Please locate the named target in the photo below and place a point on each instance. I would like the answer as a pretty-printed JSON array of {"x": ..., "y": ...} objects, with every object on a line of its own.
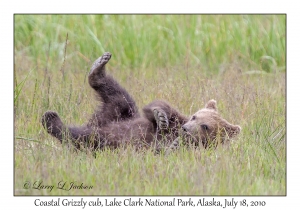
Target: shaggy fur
[{"x": 117, "y": 121}]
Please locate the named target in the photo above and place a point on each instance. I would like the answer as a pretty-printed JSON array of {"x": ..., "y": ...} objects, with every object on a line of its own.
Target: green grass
[{"x": 239, "y": 60}]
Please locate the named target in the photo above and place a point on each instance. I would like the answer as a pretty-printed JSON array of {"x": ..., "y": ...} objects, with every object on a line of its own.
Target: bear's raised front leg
[
  {"x": 165, "y": 115},
  {"x": 161, "y": 118},
  {"x": 162, "y": 124}
]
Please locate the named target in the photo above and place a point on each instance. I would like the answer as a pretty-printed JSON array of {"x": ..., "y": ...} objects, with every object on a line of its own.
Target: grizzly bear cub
[{"x": 117, "y": 121}]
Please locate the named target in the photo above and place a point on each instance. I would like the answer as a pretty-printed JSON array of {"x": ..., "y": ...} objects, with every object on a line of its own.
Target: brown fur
[
  {"x": 209, "y": 126},
  {"x": 117, "y": 122}
]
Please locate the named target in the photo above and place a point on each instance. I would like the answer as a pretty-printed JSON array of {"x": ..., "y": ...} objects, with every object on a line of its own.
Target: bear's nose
[{"x": 184, "y": 128}]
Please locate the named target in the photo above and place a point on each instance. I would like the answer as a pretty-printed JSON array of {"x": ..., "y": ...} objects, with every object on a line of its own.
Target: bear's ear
[
  {"x": 211, "y": 104},
  {"x": 232, "y": 130}
]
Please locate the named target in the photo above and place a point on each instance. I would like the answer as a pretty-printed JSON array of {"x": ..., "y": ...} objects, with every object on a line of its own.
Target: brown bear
[{"x": 117, "y": 121}]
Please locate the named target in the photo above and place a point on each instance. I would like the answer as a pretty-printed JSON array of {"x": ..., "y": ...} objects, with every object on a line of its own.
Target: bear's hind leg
[
  {"x": 53, "y": 124},
  {"x": 78, "y": 135},
  {"x": 117, "y": 104},
  {"x": 98, "y": 69}
]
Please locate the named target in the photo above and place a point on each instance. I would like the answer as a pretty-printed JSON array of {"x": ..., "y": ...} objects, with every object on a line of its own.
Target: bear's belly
[{"x": 139, "y": 132}]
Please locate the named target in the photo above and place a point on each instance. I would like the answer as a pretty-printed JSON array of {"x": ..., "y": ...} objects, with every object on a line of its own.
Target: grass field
[{"x": 239, "y": 60}]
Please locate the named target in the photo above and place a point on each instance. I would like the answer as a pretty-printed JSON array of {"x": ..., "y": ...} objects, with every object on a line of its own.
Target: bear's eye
[
  {"x": 204, "y": 127},
  {"x": 193, "y": 118}
]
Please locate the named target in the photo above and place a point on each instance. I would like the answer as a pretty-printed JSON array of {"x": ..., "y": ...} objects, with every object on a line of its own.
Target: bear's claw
[
  {"x": 174, "y": 146},
  {"x": 49, "y": 119},
  {"x": 101, "y": 61},
  {"x": 161, "y": 119},
  {"x": 105, "y": 58}
]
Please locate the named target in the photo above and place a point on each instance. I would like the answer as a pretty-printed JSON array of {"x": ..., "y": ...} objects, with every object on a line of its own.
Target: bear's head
[{"x": 208, "y": 127}]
